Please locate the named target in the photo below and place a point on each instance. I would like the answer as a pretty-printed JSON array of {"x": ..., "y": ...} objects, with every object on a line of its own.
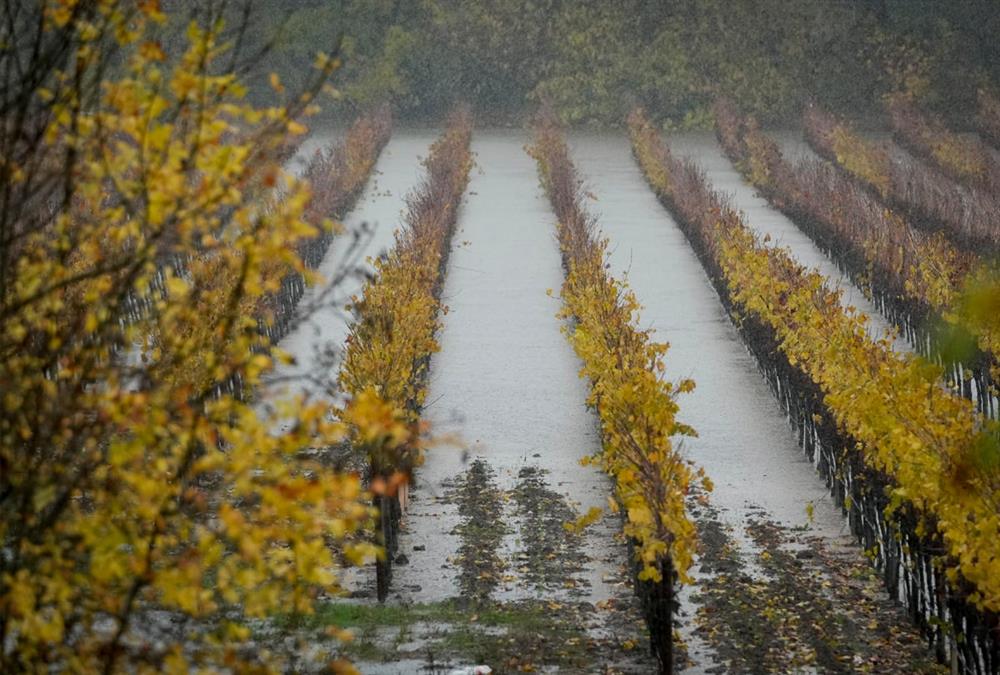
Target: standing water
[
  {"x": 315, "y": 142},
  {"x": 484, "y": 534},
  {"x": 744, "y": 442},
  {"x": 776, "y": 561},
  {"x": 316, "y": 343},
  {"x": 505, "y": 385},
  {"x": 767, "y": 221},
  {"x": 793, "y": 146}
]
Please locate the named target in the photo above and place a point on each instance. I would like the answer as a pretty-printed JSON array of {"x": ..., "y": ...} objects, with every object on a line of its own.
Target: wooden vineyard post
[
  {"x": 658, "y": 606},
  {"x": 388, "y": 508},
  {"x": 390, "y": 516}
]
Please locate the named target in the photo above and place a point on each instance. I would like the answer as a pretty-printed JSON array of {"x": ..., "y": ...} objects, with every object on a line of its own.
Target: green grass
[
  {"x": 491, "y": 632},
  {"x": 528, "y": 616},
  {"x": 349, "y": 615}
]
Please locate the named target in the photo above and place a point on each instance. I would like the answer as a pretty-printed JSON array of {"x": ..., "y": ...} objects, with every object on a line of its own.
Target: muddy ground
[
  {"x": 794, "y": 602},
  {"x": 785, "y": 601},
  {"x": 521, "y": 608}
]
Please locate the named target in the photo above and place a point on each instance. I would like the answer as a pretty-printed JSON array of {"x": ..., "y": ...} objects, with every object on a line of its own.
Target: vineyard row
[
  {"x": 962, "y": 158},
  {"x": 391, "y": 341},
  {"x": 916, "y": 278},
  {"x": 636, "y": 407},
  {"x": 897, "y": 449},
  {"x": 926, "y": 198}
]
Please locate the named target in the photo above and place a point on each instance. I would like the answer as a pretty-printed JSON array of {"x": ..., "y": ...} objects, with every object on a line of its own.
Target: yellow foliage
[
  {"x": 961, "y": 157},
  {"x": 130, "y": 478},
  {"x": 927, "y": 269},
  {"x": 637, "y": 409},
  {"x": 391, "y": 341},
  {"x": 903, "y": 422},
  {"x": 861, "y": 158}
]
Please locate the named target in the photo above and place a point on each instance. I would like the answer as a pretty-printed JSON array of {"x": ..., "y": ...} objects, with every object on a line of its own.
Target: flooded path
[
  {"x": 776, "y": 553},
  {"x": 765, "y": 220},
  {"x": 368, "y": 231},
  {"x": 793, "y": 145},
  {"x": 319, "y": 139},
  {"x": 745, "y": 443},
  {"x": 505, "y": 380},
  {"x": 484, "y": 532},
  {"x": 486, "y": 572}
]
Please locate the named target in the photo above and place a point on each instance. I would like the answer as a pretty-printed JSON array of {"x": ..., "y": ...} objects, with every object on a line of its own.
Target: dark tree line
[{"x": 592, "y": 60}]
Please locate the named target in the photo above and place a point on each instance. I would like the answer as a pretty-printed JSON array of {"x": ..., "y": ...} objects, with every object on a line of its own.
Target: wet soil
[
  {"x": 517, "y": 609},
  {"x": 480, "y": 505},
  {"x": 524, "y": 636},
  {"x": 796, "y": 602},
  {"x": 550, "y": 555}
]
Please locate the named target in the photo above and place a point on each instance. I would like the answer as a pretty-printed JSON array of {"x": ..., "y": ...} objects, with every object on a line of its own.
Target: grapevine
[
  {"x": 962, "y": 158},
  {"x": 390, "y": 343},
  {"x": 925, "y": 196},
  {"x": 637, "y": 407},
  {"x": 872, "y": 405},
  {"x": 917, "y": 279}
]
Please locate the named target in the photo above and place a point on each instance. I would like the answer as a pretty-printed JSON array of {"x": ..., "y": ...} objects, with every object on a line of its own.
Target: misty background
[{"x": 593, "y": 60}]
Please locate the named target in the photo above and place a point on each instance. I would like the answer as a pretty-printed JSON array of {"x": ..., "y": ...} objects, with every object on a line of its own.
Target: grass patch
[
  {"x": 526, "y": 615},
  {"x": 513, "y": 633},
  {"x": 348, "y": 615}
]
